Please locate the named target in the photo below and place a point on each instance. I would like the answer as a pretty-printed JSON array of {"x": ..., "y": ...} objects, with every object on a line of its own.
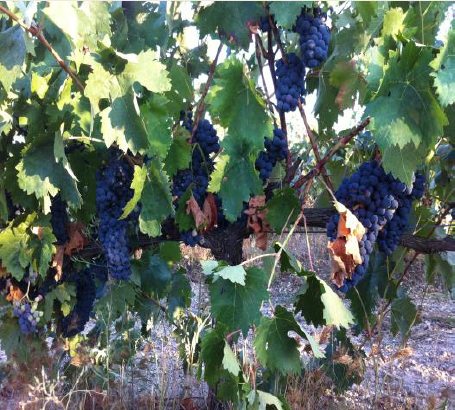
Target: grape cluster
[
  {"x": 59, "y": 219},
  {"x": 190, "y": 238},
  {"x": 376, "y": 199},
  {"x": 112, "y": 194},
  {"x": 389, "y": 237},
  {"x": 28, "y": 314},
  {"x": 314, "y": 36},
  {"x": 290, "y": 85},
  {"x": 276, "y": 149},
  {"x": 75, "y": 322}
]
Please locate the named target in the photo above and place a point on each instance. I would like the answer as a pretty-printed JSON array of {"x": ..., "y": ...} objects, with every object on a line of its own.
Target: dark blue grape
[
  {"x": 59, "y": 220},
  {"x": 275, "y": 150},
  {"x": 289, "y": 83}
]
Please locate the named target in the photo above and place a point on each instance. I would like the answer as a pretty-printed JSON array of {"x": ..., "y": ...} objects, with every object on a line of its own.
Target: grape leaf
[
  {"x": 283, "y": 208},
  {"x": 236, "y": 274},
  {"x": 228, "y": 19},
  {"x": 230, "y": 362},
  {"x": 238, "y": 181},
  {"x": 287, "y": 12},
  {"x": 181, "y": 92},
  {"x": 12, "y": 55},
  {"x": 404, "y": 109},
  {"x": 237, "y": 306},
  {"x": 179, "y": 297},
  {"x": 260, "y": 399},
  {"x": 367, "y": 10},
  {"x": 137, "y": 184},
  {"x": 184, "y": 220},
  {"x": 170, "y": 252},
  {"x": 239, "y": 108},
  {"x": 275, "y": 349},
  {"x": 14, "y": 255},
  {"x": 120, "y": 296},
  {"x": 179, "y": 154},
  {"x": 427, "y": 17},
  {"x": 320, "y": 305},
  {"x": 444, "y": 77},
  {"x": 154, "y": 273},
  {"x": 350, "y": 83},
  {"x": 403, "y": 316},
  {"x": 156, "y": 201},
  {"x": 393, "y": 22},
  {"x": 40, "y": 173},
  {"x": 212, "y": 353},
  {"x": 16, "y": 344}
]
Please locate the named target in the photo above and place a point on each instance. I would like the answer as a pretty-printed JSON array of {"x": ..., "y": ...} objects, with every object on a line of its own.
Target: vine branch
[
  {"x": 36, "y": 31},
  {"x": 200, "y": 107},
  {"x": 341, "y": 143}
]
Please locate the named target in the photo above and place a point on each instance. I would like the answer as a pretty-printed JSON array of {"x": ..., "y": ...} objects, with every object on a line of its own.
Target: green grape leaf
[
  {"x": 286, "y": 12},
  {"x": 16, "y": 344},
  {"x": 239, "y": 181},
  {"x": 444, "y": 77},
  {"x": 237, "y": 306},
  {"x": 393, "y": 22},
  {"x": 158, "y": 125},
  {"x": 403, "y": 316},
  {"x": 121, "y": 295},
  {"x": 283, "y": 209},
  {"x": 40, "y": 173},
  {"x": 320, "y": 305},
  {"x": 234, "y": 101},
  {"x": 121, "y": 124},
  {"x": 154, "y": 273},
  {"x": 212, "y": 353},
  {"x": 137, "y": 184},
  {"x": 404, "y": 109},
  {"x": 229, "y": 19},
  {"x": 367, "y": 9},
  {"x": 179, "y": 154},
  {"x": 156, "y": 201},
  {"x": 275, "y": 349},
  {"x": 288, "y": 261},
  {"x": 427, "y": 17},
  {"x": 12, "y": 55},
  {"x": 182, "y": 91},
  {"x": 14, "y": 254},
  {"x": 62, "y": 293},
  {"x": 179, "y": 297},
  {"x": 350, "y": 83},
  {"x": 170, "y": 252},
  {"x": 98, "y": 86},
  {"x": 230, "y": 362},
  {"x": 184, "y": 220},
  {"x": 43, "y": 249},
  {"x": 236, "y": 274},
  {"x": 260, "y": 399}
]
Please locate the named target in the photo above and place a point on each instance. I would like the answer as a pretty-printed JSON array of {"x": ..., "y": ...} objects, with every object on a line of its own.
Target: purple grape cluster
[
  {"x": 389, "y": 237},
  {"x": 76, "y": 320},
  {"x": 276, "y": 149},
  {"x": 112, "y": 194},
  {"x": 190, "y": 238},
  {"x": 264, "y": 23},
  {"x": 59, "y": 219},
  {"x": 28, "y": 315},
  {"x": 314, "y": 36},
  {"x": 290, "y": 84},
  {"x": 376, "y": 199}
]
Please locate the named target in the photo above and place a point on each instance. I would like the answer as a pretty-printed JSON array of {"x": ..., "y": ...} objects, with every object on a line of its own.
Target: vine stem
[
  {"x": 261, "y": 70},
  {"x": 314, "y": 146},
  {"x": 341, "y": 143},
  {"x": 264, "y": 255},
  {"x": 200, "y": 107},
  {"x": 36, "y": 31}
]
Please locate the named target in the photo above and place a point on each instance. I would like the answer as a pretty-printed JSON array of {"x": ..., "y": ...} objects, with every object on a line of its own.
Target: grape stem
[
  {"x": 276, "y": 34},
  {"x": 314, "y": 146},
  {"x": 200, "y": 107},
  {"x": 36, "y": 31},
  {"x": 261, "y": 70},
  {"x": 341, "y": 143}
]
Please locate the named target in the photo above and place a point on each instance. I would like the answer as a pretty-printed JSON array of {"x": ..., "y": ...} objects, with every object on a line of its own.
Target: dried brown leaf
[
  {"x": 14, "y": 294},
  {"x": 192, "y": 207},
  {"x": 210, "y": 211}
]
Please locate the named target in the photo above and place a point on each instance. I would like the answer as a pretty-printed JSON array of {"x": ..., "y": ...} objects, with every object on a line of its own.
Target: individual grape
[
  {"x": 276, "y": 149},
  {"x": 59, "y": 219},
  {"x": 290, "y": 85},
  {"x": 314, "y": 36},
  {"x": 112, "y": 194},
  {"x": 75, "y": 321}
]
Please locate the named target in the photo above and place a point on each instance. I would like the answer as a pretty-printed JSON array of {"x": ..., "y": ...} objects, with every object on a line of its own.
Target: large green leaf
[
  {"x": 239, "y": 108},
  {"x": 229, "y": 18},
  {"x": 262, "y": 400},
  {"x": 427, "y": 17},
  {"x": 137, "y": 185},
  {"x": 237, "y": 306},
  {"x": 154, "y": 273},
  {"x": 179, "y": 298},
  {"x": 275, "y": 349},
  {"x": 156, "y": 201},
  {"x": 212, "y": 354},
  {"x": 403, "y": 316},
  {"x": 444, "y": 77},
  {"x": 283, "y": 208},
  {"x": 41, "y": 174},
  {"x": 12, "y": 55},
  {"x": 179, "y": 154},
  {"x": 320, "y": 305}
]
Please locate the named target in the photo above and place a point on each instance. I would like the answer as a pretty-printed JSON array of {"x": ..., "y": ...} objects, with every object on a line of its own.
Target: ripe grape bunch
[
  {"x": 290, "y": 84},
  {"x": 314, "y": 36},
  {"x": 28, "y": 314},
  {"x": 75, "y": 322},
  {"x": 112, "y": 194},
  {"x": 264, "y": 23},
  {"x": 376, "y": 199},
  {"x": 205, "y": 142},
  {"x": 59, "y": 219},
  {"x": 276, "y": 149}
]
